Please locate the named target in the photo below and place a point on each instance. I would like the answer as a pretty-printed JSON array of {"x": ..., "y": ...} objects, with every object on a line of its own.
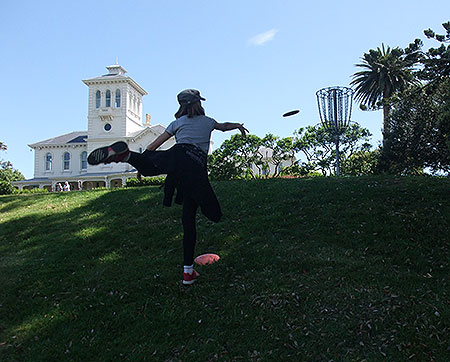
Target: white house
[
  {"x": 114, "y": 113},
  {"x": 266, "y": 156}
]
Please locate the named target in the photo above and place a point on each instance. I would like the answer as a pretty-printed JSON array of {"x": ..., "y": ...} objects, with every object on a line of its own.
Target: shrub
[
  {"x": 297, "y": 170},
  {"x": 38, "y": 191},
  {"x": 361, "y": 163},
  {"x": 6, "y": 188},
  {"x": 146, "y": 181},
  {"x": 31, "y": 191}
]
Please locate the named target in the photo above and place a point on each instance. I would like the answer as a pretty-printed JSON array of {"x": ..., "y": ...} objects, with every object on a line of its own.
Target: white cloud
[{"x": 263, "y": 38}]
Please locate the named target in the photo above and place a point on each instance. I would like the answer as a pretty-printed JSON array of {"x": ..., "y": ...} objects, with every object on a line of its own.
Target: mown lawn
[{"x": 341, "y": 269}]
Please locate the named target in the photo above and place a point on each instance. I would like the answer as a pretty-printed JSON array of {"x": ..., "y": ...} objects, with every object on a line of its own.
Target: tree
[
  {"x": 281, "y": 150},
  {"x": 221, "y": 166},
  {"x": 249, "y": 156},
  {"x": 318, "y": 146},
  {"x": 235, "y": 157},
  {"x": 8, "y": 174},
  {"x": 361, "y": 163},
  {"x": 386, "y": 72},
  {"x": 420, "y": 117},
  {"x": 436, "y": 61},
  {"x": 420, "y": 124}
]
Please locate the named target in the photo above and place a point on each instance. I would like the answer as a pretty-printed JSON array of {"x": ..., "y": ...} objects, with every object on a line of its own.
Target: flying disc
[
  {"x": 206, "y": 259},
  {"x": 291, "y": 113}
]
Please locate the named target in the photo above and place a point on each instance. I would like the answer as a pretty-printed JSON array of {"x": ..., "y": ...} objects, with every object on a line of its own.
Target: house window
[
  {"x": 97, "y": 99},
  {"x": 108, "y": 98},
  {"x": 117, "y": 98},
  {"x": 66, "y": 161},
  {"x": 83, "y": 160},
  {"x": 48, "y": 162}
]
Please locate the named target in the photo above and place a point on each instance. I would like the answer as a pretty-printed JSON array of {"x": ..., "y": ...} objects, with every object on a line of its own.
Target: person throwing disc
[{"x": 185, "y": 165}]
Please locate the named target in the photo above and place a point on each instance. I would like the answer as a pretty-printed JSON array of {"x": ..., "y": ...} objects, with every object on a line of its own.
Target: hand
[
  {"x": 139, "y": 177},
  {"x": 243, "y": 130}
]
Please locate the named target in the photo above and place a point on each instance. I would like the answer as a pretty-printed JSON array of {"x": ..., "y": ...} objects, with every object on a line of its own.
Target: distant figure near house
[{"x": 66, "y": 186}]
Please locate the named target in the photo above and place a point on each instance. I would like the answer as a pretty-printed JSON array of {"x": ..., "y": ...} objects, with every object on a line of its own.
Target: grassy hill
[{"x": 320, "y": 269}]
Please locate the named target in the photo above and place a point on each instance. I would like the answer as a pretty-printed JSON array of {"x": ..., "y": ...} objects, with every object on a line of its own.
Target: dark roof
[
  {"x": 79, "y": 139},
  {"x": 72, "y": 137}
]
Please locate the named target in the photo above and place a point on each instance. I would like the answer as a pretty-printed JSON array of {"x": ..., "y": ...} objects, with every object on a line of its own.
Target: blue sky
[{"x": 252, "y": 60}]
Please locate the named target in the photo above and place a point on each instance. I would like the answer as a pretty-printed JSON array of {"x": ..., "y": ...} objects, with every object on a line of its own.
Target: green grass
[{"x": 341, "y": 269}]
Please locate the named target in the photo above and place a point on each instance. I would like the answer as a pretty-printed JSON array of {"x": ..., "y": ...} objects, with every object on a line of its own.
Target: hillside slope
[{"x": 311, "y": 269}]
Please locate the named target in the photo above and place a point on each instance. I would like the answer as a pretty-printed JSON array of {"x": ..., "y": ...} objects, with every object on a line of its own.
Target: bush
[
  {"x": 297, "y": 169},
  {"x": 361, "y": 163},
  {"x": 146, "y": 181},
  {"x": 38, "y": 191},
  {"x": 6, "y": 188},
  {"x": 32, "y": 191}
]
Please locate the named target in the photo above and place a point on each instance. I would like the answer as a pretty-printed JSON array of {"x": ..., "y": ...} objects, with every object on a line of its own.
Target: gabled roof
[
  {"x": 72, "y": 137},
  {"x": 156, "y": 129},
  {"x": 79, "y": 139}
]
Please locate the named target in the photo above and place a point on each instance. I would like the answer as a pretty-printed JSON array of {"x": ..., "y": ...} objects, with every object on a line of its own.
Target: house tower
[{"x": 115, "y": 105}]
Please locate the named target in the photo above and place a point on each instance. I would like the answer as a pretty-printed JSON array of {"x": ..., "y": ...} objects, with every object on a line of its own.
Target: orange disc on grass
[{"x": 206, "y": 259}]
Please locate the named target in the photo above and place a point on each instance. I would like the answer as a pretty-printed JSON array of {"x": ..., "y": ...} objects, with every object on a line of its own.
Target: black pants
[
  {"x": 189, "y": 230},
  {"x": 140, "y": 163},
  {"x": 190, "y": 206}
]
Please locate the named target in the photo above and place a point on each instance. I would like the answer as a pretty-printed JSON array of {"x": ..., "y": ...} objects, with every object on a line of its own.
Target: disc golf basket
[{"x": 335, "y": 110}]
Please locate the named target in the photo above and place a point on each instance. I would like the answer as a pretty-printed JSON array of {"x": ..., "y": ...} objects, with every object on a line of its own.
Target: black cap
[{"x": 189, "y": 96}]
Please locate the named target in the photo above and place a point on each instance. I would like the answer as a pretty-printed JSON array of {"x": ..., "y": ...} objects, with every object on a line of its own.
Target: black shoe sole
[{"x": 101, "y": 155}]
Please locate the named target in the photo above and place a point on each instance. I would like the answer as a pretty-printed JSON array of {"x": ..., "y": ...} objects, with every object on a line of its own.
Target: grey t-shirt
[{"x": 195, "y": 131}]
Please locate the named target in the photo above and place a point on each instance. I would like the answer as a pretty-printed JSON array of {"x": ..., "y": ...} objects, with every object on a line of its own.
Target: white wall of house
[
  {"x": 67, "y": 160},
  {"x": 59, "y": 163}
]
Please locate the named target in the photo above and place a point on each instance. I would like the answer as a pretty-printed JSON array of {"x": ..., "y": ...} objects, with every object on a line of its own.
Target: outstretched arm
[
  {"x": 229, "y": 126},
  {"x": 154, "y": 145},
  {"x": 159, "y": 141}
]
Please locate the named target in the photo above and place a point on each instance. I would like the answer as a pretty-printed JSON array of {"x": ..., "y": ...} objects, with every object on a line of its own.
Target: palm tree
[{"x": 386, "y": 72}]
